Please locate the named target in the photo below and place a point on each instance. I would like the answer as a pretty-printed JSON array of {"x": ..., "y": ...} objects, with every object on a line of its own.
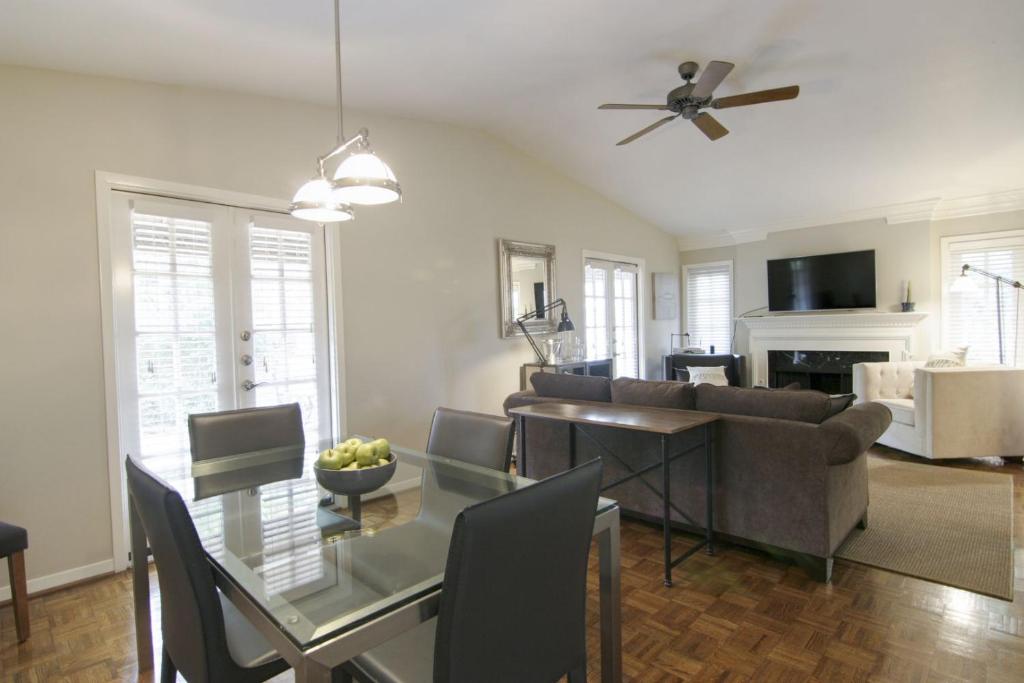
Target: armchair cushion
[{"x": 902, "y": 409}]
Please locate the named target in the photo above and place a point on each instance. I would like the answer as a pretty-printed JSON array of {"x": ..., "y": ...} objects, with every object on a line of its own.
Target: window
[
  {"x": 611, "y": 301},
  {"x": 708, "y": 304},
  {"x": 969, "y": 318}
]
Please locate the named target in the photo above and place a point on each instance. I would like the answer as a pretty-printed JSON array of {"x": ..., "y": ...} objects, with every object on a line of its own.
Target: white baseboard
[{"x": 42, "y": 583}]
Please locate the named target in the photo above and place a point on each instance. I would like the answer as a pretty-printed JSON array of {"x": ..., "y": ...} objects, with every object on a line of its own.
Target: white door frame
[
  {"x": 106, "y": 183},
  {"x": 641, "y": 309}
]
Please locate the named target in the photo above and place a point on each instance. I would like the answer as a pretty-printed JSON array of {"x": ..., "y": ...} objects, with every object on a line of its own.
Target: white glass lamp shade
[
  {"x": 963, "y": 283},
  {"x": 315, "y": 201},
  {"x": 363, "y": 178}
]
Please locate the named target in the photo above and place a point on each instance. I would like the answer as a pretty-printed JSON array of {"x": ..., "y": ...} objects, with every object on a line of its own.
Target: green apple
[
  {"x": 330, "y": 460},
  {"x": 351, "y": 466},
  {"x": 354, "y": 442},
  {"x": 366, "y": 455},
  {"x": 382, "y": 447},
  {"x": 348, "y": 455}
]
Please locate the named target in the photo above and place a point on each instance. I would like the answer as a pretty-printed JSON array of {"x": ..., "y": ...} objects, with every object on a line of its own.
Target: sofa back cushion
[
  {"x": 803, "y": 405},
  {"x": 573, "y": 387},
  {"x": 654, "y": 393}
]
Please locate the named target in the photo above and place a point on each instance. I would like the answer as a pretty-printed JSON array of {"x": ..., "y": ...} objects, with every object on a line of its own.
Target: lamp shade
[
  {"x": 315, "y": 201},
  {"x": 363, "y": 178},
  {"x": 963, "y": 283},
  {"x": 565, "y": 324}
]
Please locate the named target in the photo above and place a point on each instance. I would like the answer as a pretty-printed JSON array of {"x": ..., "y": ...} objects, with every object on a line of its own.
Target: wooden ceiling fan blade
[
  {"x": 634, "y": 106},
  {"x": 758, "y": 97},
  {"x": 710, "y": 126},
  {"x": 645, "y": 131},
  {"x": 714, "y": 73}
]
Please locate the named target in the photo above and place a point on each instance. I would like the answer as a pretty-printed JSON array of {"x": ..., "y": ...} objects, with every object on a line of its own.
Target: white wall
[
  {"x": 903, "y": 252},
  {"x": 419, "y": 279}
]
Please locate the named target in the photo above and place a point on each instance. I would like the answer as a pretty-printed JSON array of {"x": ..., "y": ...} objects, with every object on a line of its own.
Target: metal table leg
[
  {"x": 666, "y": 520},
  {"x": 709, "y": 496},
  {"x": 611, "y": 605},
  {"x": 572, "y": 444},
  {"x": 140, "y": 589}
]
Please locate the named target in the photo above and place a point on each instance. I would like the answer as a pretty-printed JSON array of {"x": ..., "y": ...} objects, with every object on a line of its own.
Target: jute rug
[{"x": 943, "y": 524}]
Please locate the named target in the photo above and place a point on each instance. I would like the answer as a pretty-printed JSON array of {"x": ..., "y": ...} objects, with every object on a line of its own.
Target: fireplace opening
[{"x": 828, "y": 371}]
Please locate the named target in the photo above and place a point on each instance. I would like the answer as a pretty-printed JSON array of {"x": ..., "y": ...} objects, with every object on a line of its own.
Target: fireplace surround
[
  {"x": 828, "y": 371},
  {"x": 894, "y": 334}
]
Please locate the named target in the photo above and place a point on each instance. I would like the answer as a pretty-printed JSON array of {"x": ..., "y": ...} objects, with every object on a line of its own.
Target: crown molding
[{"x": 930, "y": 209}]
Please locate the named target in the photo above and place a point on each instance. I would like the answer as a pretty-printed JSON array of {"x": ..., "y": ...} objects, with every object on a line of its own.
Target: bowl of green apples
[{"x": 355, "y": 467}]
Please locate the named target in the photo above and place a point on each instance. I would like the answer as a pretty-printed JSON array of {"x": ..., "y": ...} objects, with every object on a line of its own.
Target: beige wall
[
  {"x": 907, "y": 251},
  {"x": 419, "y": 279}
]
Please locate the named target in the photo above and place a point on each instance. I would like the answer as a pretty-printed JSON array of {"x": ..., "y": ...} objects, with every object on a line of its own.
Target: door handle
[{"x": 249, "y": 385}]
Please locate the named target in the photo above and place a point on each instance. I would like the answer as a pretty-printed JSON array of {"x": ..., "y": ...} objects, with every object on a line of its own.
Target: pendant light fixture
[{"x": 361, "y": 178}]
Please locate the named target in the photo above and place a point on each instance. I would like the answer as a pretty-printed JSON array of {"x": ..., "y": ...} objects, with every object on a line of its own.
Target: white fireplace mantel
[{"x": 894, "y": 333}]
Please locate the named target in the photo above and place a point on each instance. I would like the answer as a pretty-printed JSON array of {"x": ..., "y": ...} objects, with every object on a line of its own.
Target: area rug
[{"x": 940, "y": 523}]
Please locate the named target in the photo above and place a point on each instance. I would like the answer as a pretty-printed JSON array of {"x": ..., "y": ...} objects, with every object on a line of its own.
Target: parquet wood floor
[{"x": 737, "y": 616}]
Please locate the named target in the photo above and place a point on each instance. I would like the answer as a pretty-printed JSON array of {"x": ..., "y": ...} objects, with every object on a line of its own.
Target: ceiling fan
[{"x": 688, "y": 100}]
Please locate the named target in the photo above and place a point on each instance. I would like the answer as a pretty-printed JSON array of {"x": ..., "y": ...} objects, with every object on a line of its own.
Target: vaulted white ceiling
[{"x": 900, "y": 101}]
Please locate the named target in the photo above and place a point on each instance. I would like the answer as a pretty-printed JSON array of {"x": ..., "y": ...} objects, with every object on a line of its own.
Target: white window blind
[
  {"x": 175, "y": 347},
  {"x": 708, "y": 302},
  {"x": 281, "y": 268},
  {"x": 969, "y": 318},
  {"x": 595, "y": 302},
  {"x": 627, "y": 361}
]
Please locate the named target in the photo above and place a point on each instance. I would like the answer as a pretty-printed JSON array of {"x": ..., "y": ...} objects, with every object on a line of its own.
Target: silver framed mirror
[{"x": 527, "y": 272}]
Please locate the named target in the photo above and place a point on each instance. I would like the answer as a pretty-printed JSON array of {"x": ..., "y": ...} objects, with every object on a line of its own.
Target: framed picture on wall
[{"x": 666, "y": 296}]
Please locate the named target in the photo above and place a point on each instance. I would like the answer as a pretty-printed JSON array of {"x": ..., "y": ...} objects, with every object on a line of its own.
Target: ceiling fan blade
[
  {"x": 634, "y": 106},
  {"x": 773, "y": 95},
  {"x": 714, "y": 73},
  {"x": 645, "y": 131},
  {"x": 710, "y": 126}
]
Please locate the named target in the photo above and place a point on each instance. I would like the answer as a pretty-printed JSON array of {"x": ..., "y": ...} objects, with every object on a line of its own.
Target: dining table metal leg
[
  {"x": 611, "y": 605},
  {"x": 140, "y": 589}
]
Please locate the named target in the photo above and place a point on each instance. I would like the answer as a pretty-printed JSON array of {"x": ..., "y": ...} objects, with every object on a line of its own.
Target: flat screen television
[{"x": 825, "y": 282}]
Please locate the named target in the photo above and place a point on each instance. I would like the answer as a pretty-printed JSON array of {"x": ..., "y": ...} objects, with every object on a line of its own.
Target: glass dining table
[{"x": 322, "y": 589}]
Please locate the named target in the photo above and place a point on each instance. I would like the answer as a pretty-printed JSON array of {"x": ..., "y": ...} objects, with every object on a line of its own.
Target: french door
[
  {"x": 218, "y": 308},
  {"x": 612, "y": 313}
]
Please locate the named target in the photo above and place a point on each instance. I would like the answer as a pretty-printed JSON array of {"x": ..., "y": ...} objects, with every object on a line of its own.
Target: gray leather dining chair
[
  {"x": 257, "y": 445},
  {"x": 513, "y": 599},
  {"x": 205, "y": 637},
  {"x": 476, "y": 438}
]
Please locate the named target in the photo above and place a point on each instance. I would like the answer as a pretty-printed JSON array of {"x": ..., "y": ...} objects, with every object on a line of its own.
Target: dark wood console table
[{"x": 664, "y": 422}]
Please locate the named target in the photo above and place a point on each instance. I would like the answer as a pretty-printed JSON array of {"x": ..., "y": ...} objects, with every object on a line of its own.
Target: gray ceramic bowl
[{"x": 356, "y": 482}]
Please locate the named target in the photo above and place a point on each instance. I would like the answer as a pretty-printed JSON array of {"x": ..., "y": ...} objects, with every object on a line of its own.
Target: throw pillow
[
  {"x": 708, "y": 375},
  {"x": 575, "y": 387},
  {"x": 658, "y": 394},
  {"x": 953, "y": 358},
  {"x": 837, "y": 403}
]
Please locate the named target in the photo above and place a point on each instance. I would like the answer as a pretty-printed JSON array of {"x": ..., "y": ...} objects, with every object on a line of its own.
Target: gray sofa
[{"x": 791, "y": 470}]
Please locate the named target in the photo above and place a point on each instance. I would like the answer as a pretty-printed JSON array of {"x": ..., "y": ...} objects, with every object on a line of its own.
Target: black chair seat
[{"x": 12, "y": 539}]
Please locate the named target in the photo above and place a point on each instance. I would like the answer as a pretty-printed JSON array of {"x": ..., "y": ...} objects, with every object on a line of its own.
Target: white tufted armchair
[{"x": 967, "y": 412}]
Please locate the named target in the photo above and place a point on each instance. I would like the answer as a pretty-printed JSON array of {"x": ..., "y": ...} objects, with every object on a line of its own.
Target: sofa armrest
[
  {"x": 972, "y": 411},
  {"x": 855, "y": 429},
  {"x": 872, "y": 381}
]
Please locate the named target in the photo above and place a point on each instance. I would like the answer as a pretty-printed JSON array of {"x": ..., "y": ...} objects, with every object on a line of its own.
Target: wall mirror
[{"x": 527, "y": 284}]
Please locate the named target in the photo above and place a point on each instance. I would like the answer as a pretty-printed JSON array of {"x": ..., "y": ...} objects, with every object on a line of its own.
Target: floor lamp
[{"x": 965, "y": 284}]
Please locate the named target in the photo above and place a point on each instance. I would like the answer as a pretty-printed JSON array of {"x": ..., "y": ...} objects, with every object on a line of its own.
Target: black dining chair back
[
  {"x": 513, "y": 603},
  {"x": 476, "y": 438},
  {"x": 195, "y": 638},
  {"x": 260, "y": 445}
]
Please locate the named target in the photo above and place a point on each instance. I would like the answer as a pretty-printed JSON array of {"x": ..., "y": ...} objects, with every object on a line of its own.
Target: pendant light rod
[{"x": 337, "y": 67}]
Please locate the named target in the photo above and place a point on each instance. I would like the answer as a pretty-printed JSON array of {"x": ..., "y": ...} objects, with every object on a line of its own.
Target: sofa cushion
[
  {"x": 575, "y": 387},
  {"x": 902, "y": 409},
  {"x": 803, "y": 406},
  {"x": 654, "y": 393}
]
